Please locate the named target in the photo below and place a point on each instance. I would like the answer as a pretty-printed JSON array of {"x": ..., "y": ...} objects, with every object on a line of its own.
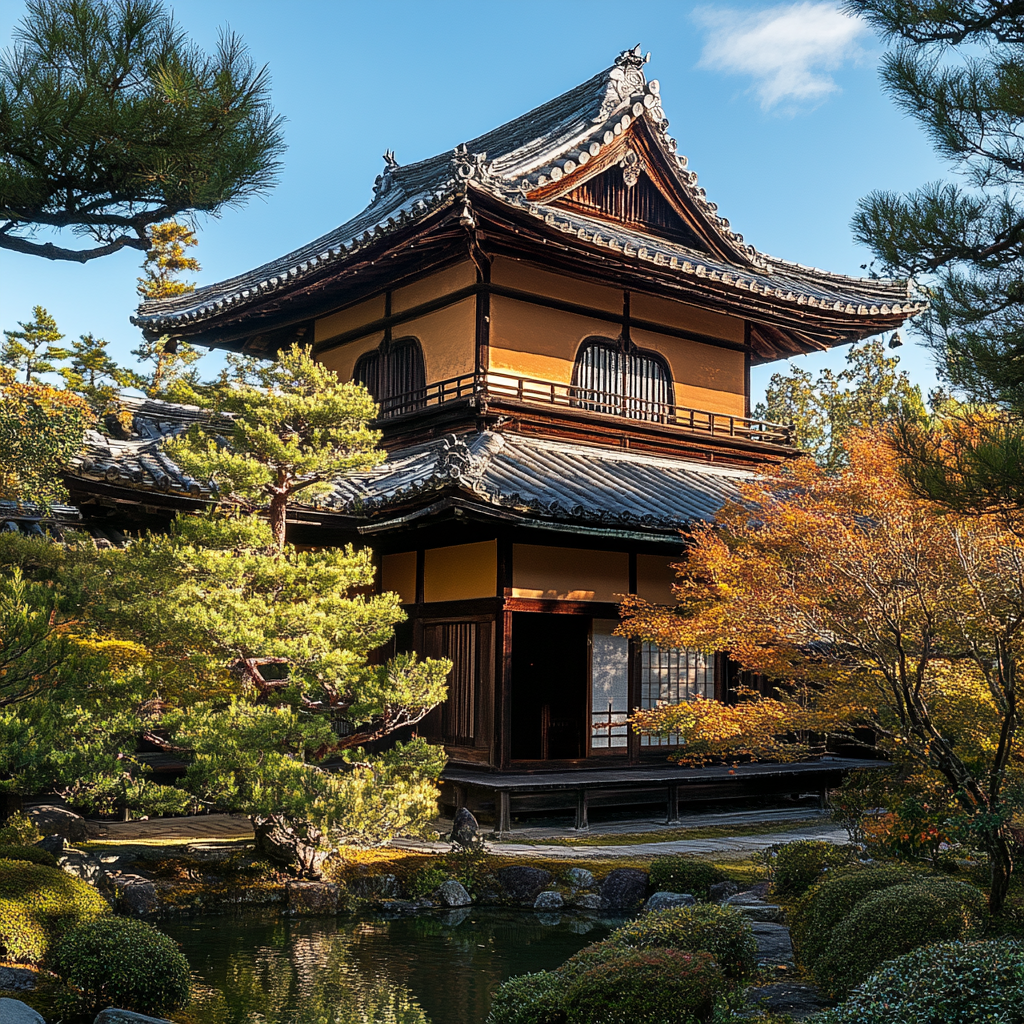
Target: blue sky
[{"x": 776, "y": 105}]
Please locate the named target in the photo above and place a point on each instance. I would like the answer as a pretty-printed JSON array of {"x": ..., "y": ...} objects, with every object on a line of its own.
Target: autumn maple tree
[{"x": 874, "y": 610}]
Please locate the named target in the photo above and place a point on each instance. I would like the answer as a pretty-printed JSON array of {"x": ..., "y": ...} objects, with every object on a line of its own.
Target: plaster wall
[
  {"x": 655, "y": 577},
  {"x": 568, "y": 574},
  {"x": 460, "y": 572},
  {"x": 528, "y": 278},
  {"x": 398, "y": 575},
  {"x": 448, "y": 339},
  {"x": 345, "y": 320},
  {"x": 433, "y": 287},
  {"x": 342, "y": 360}
]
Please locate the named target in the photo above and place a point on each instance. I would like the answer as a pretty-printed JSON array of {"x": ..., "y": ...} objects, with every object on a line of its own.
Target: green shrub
[
  {"x": 50, "y": 902},
  {"x": 529, "y": 999},
  {"x": 19, "y": 830},
  {"x": 953, "y": 982},
  {"x": 643, "y": 986},
  {"x": 424, "y": 882},
  {"x": 679, "y": 873},
  {"x": 894, "y": 921},
  {"x": 794, "y": 867},
  {"x": 34, "y": 854},
  {"x": 706, "y": 928},
  {"x": 125, "y": 963},
  {"x": 815, "y": 916}
]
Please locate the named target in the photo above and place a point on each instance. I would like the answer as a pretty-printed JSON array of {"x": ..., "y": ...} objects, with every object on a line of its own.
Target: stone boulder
[
  {"x": 773, "y": 943},
  {"x": 54, "y": 844},
  {"x": 53, "y": 820},
  {"x": 581, "y": 878},
  {"x": 465, "y": 828},
  {"x": 624, "y": 889},
  {"x": 549, "y": 901},
  {"x": 17, "y": 979},
  {"x": 14, "y": 1011},
  {"x": 114, "y": 1016},
  {"x": 311, "y": 898},
  {"x": 521, "y": 883},
  {"x": 453, "y": 894},
  {"x": 754, "y": 908},
  {"x": 666, "y": 900},
  {"x": 132, "y": 894},
  {"x": 722, "y": 891},
  {"x": 587, "y": 901}
]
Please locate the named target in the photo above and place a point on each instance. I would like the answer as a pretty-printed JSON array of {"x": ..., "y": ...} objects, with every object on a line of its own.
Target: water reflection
[{"x": 432, "y": 969}]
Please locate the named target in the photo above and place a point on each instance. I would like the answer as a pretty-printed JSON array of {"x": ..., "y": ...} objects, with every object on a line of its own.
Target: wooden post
[
  {"x": 672, "y": 809},
  {"x": 460, "y": 798},
  {"x": 582, "y": 804},
  {"x": 504, "y": 812}
]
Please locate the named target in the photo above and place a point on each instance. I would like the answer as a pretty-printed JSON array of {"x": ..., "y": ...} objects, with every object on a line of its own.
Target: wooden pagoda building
[{"x": 559, "y": 329}]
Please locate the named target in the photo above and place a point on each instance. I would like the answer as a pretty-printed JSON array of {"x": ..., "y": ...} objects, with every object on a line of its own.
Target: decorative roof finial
[
  {"x": 390, "y": 163},
  {"x": 384, "y": 180},
  {"x": 632, "y": 60}
]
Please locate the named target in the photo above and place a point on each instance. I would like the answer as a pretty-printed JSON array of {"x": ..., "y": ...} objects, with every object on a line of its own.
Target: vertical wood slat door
[{"x": 464, "y": 718}]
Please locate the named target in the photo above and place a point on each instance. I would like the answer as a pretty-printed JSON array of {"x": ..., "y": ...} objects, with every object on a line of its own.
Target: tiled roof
[
  {"x": 508, "y": 163},
  {"x": 546, "y": 480},
  {"x": 549, "y": 480}
]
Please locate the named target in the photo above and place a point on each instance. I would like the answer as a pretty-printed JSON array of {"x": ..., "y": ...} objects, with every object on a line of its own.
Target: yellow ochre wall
[
  {"x": 539, "y": 342},
  {"x": 464, "y": 571},
  {"x": 460, "y": 572}
]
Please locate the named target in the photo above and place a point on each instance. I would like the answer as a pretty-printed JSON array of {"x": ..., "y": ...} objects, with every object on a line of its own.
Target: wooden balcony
[{"x": 482, "y": 390}]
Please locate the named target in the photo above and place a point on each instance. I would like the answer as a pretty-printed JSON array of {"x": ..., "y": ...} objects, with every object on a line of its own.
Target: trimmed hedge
[
  {"x": 123, "y": 962},
  {"x": 33, "y": 854},
  {"x": 40, "y": 904},
  {"x": 19, "y": 830},
  {"x": 796, "y": 866},
  {"x": 706, "y": 928},
  {"x": 529, "y": 999},
  {"x": 644, "y": 986},
  {"x": 814, "y": 918},
  {"x": 894, "y": 921},
  {"x": 607, "y": 983},
  {"x": 953, "y": 982},
  {"x": 682, "y": 874}
]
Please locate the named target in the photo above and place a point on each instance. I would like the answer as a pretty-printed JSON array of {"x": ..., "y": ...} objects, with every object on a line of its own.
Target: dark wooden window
[
  {"x": 623, "y": 383},
  {"x": 394, "y": 375}
]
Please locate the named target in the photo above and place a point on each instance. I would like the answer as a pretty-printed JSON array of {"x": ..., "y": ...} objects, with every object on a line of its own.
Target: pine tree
[
  {"x": 94, "y": 375},
  {"x": 112, "y": 120},
  {"x": 35, "y": 349},
  {"x": 958, "y": 69}
]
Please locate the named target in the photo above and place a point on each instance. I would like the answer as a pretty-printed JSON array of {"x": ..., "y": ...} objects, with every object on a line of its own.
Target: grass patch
[
  {"x": 672, "y": 835},
  {"x": 157, "y": 842}
]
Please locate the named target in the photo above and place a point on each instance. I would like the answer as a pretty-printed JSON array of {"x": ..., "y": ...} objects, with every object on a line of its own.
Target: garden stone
[
  {"x": 453, "y": 894},
  {"x": 14, "y": 1011},
  {"x": 312, "y": 897},
  {"x": 86, "y": 866},
  {"x": 523, "y": 883},
  {"x": 579, "y": 877},
  {"x": 754, "y": 908},
  {"x": 464, "y": 828},
  {"x": 799, "y": 1001},
  {"x": 17, "y": 979},
  {"x": 53, "y": 844},
  {"x": 549, "y": 920},
  {"x": 114, "y": 1016},
  {"x": 50, "y": 820},
  {"x": 722, "y": 891},
  {"x": 665, "y": 900},
  {"x": 133, "y": 894},
  {"x": 587, "y": 901},
  {"x": 773, "y": 943},
  {"x": 624, "y": 889},
  {"x": 549, "y": 901}
]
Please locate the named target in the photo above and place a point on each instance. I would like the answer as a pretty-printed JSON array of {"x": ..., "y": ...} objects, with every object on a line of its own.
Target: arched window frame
[
  {"x": 394, "y": 374},
  {"x": 619, "y": 379}
]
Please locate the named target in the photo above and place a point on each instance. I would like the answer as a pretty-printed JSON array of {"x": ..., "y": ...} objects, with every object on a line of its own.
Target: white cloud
[{"x": 789, "y": 50}]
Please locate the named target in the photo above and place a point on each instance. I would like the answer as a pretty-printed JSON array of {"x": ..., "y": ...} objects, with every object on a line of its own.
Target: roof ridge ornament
[
  {"x": 625, "y": 80},
  {"x": 383, "y": 182},
  {"x": 465, "y": 165}
]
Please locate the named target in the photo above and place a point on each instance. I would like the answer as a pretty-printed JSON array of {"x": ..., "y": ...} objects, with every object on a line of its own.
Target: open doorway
[{"x": 549, "y": 686}]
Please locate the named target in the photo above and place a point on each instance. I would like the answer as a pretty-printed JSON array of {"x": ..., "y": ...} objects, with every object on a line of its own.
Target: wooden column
[
  {"x": 501, "y": 757},
  {"x": 672, "y": 804},
  {"x": 504, "y": 800},
  {"x": 483, "y": 317},
  {"x": 582, "y": 806}
]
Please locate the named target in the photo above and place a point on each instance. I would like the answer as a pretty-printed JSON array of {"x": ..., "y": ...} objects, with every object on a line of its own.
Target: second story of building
[{"x": 560, "y": 276}]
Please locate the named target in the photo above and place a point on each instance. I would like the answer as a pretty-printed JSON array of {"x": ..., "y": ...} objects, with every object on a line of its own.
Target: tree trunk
[
  {"x": 278, "y": 518},
  {"x": 1000, "y": 857},
  {"x": 299, "y": 846}
]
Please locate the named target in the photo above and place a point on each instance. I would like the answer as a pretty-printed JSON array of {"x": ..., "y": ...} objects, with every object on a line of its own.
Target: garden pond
[{"x": 435, "y": 968}]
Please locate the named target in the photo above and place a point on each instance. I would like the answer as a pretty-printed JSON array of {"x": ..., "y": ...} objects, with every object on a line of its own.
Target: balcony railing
[{"x": 496, "y": 386}]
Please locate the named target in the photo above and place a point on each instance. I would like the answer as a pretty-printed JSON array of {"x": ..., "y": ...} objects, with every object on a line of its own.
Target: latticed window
[
  {"x": 394, "y": 375},
  {"x": 670, "y": 675},
  {"x": 457, "y": 641},
  {"x": 623, "y": 383}
]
